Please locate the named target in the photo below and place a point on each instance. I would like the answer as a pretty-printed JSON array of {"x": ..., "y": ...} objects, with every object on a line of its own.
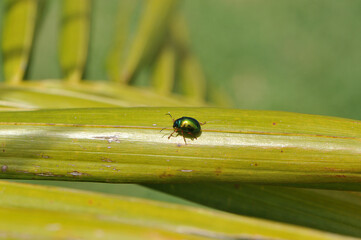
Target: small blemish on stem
[{"x": 76, "y": 173}]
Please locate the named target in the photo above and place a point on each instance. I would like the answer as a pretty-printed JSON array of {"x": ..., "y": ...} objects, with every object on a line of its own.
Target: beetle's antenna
[
  {"x": 162, "y": 129},
  {"x": 170, "y": 116}
]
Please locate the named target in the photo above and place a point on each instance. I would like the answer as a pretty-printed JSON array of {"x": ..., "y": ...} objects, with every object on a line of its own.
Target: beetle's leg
[
  {"x": 184, "y": 139},
  {"x": 203, "y": 123},
  {"x": 171, "y": 117},
  {"x": 182, "y": 133},
  {"x": 171, "y": 135},
  {"x": 164, "y": 135},
  {"x": 192, "y": 136}
]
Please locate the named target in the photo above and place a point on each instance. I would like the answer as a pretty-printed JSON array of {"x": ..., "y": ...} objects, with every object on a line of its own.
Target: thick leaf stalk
[{"x": 126, "y": 145}]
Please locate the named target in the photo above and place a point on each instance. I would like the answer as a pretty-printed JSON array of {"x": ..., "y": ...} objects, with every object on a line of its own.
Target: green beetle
[{"x": 187, "y": 127}]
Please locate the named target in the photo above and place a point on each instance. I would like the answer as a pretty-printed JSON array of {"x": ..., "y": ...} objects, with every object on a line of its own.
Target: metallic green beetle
[{"x": 187, "y": 127}]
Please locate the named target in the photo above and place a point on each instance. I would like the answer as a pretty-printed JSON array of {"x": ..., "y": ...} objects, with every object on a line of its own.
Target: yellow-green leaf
[
  {"x": 74, "y": 38},
  {"x": 149, "y": 36},
  {"x": 54, "y": 212},
  {"x": 332, "y": 211},
  {"x": 55, "y": 94},
  {"x": 17, "y": 37},
  {"x": 192, "y": 80},
  {"x": 118, "y": 49},
  {"x": 164, "y": 70}
]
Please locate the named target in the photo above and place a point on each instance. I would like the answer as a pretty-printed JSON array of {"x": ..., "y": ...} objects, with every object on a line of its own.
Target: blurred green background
[{"x": 299, "y": 56}]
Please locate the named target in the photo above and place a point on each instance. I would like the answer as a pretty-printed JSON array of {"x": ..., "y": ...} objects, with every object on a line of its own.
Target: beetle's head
[{"x": 177, "y": 123}]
